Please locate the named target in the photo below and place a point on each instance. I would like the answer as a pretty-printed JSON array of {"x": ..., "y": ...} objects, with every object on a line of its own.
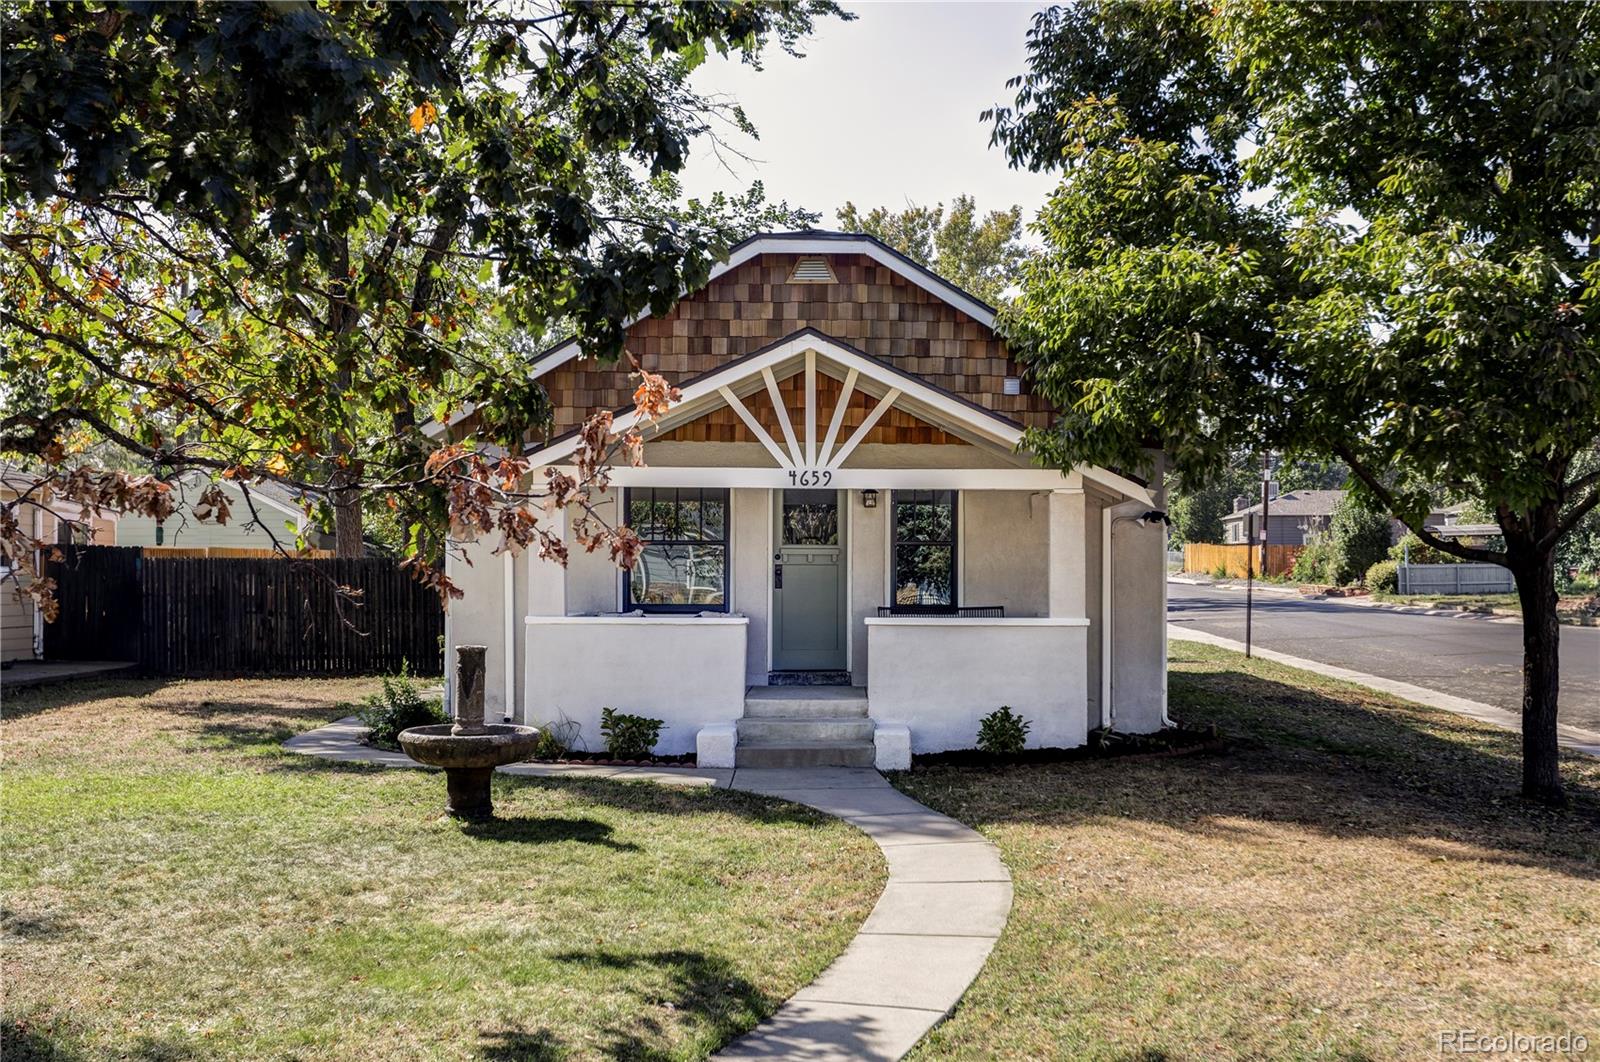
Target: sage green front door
[{"x": 808, "y": 581}]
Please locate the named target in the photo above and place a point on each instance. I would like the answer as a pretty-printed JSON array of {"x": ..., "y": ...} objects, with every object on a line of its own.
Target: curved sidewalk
[{"x": 945, "y": 903}]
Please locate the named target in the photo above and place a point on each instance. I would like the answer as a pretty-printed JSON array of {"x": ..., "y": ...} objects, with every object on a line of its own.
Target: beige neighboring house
[
  {"x": 849, "y": 556},
  {"x": 22, "y": 628},
  {"x": 277, "y": 506}
]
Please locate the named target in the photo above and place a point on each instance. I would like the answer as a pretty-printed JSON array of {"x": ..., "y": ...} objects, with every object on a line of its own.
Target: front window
[
  {"x": 684, "y": 566},
  {"x": 924, "y": 547}
]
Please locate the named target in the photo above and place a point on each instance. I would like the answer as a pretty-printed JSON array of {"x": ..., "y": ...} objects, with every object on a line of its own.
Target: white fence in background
[{"x": 1444, "y": 579}]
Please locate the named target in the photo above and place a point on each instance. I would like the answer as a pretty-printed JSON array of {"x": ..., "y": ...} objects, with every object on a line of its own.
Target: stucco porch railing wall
[
  {"x": 940, "y": 675},
  {"x": 687, "y": 671}
]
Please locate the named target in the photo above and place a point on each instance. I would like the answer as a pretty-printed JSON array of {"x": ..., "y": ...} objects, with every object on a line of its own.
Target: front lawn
[
  {"x": 1354, "y": 877},
  {"x": 176, "y": 886}
]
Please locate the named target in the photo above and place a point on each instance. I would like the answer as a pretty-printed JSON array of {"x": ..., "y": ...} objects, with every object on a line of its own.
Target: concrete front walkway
[{"x": 946, "y": 901}]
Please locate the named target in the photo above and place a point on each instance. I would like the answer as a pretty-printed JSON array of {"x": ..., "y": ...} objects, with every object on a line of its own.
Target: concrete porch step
[
  {"x": 806, "y": 702},
  {"x": 767, "y": 730},
  {"x": 805, "y": 754}
]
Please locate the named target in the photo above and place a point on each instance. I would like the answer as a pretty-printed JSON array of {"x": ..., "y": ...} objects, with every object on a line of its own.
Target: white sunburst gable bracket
[{"x": 862, "y": 430}]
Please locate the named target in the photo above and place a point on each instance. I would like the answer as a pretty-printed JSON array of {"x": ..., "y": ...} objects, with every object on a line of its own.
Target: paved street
[{"x": 1468, "y": 657}]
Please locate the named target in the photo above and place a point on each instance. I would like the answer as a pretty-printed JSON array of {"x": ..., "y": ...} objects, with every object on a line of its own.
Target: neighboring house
[
  {"x": 847, "y": 550},
  {"x": 21, "y": 626},
  {"x": 1292, "y": 517},
  {"x": 277, "y": 515},
  {"x": 1295, "y": 516}
]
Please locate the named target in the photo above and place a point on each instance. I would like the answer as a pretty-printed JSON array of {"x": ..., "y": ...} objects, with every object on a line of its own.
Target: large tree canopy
[
  {"x": 1353, "y": 230},
  {"x": 271, "y": 240}
]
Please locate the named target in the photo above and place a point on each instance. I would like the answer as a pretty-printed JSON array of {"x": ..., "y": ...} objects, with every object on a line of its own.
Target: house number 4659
[{"x": 820, "y": 477}]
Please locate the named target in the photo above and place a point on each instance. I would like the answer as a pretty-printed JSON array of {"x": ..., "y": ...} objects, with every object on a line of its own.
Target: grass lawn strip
[
  {"x": 1355, "y": 876},
  {"x": 176, "y": 885}
]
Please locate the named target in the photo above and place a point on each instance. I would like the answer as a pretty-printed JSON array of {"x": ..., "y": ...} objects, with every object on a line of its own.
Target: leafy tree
[
  {"x": 1196, "y": 512},
  {"x": 1356, "y": 231},
  {"x": 268, "y": 241},
  {"x": 980, "y": 255},
  {"x": 1359, "y": 537},
  {"x": 1311, "y": 473}
]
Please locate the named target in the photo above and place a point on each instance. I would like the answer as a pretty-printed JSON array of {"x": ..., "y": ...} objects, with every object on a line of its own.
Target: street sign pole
[
  {"x": 1249, "y": 582},
  {"x": 1266, "y": 521}
]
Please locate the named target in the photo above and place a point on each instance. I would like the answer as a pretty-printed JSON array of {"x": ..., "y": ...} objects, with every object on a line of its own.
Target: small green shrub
[
  {"x": 1314, "y": 563},
  {"x": 1383, "y": 577},
  {"x": 556, "y": 739},
  {"x": 1219, "y": 572},
  {"x": 1003, "y": 732},
  {"x": 628, "y": 737},
  {"x": 400, "y": 706}
]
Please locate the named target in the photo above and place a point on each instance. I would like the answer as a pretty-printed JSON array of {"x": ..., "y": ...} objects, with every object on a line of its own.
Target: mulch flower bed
[
  {"x": 1102, "y": 745},
  {"x": 600, "y": 759}
]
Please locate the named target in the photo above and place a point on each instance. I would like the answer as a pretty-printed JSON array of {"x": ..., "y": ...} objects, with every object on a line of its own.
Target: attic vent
[
  {"x": 1011, "y": 386},
  {"x": 812, "y": 271}
]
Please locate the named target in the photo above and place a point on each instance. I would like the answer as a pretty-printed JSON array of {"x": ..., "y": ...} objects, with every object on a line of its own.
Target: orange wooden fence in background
[{"x": 1206, "y": 559}]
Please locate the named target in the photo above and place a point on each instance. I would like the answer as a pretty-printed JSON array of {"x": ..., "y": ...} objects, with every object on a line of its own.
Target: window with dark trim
[
  {"x": 924, "y": 555},
  {"x": 684, "y": 566}
]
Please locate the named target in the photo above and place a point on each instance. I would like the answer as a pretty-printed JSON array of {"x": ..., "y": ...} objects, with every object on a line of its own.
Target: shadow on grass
[
  {"x": 244, "y": 736},
  {"x": 704, "y": 993},
  {"x": 33, "y": 926},
  {"x": 660, "y": 798},
  {"x": 36, "y": 700},
  {"x": 514, "y": 1045},
  {"x": 642, "y": 795},
  {"x": 22, "y": 1042},
  {"x": 1343, "y": 762},
  {"x": 544, "y": 829}
]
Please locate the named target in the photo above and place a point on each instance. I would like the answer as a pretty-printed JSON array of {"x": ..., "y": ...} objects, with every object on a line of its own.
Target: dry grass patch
[
  {"x": 176, "y": 886},
  {"x": 1353, "y": 877}
]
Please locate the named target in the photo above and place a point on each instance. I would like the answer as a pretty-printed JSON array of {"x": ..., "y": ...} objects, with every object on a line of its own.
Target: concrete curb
[
  {"x": 1362, "y": 601},
  {"x": 1578, "y": 740},
  {"x": 946, "y": 901}
]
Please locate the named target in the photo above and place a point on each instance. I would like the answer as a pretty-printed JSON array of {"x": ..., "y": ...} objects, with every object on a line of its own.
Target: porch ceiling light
[{"x": 869, "y": 499}]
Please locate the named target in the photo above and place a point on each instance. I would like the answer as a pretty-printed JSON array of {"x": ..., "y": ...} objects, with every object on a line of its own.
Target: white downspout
[
  {"x": 1105, "y": 618},
  {"x": 1166, "y": 541},
  {"x": 508, "y": 637},
  {"x": 449, "y": 650}
]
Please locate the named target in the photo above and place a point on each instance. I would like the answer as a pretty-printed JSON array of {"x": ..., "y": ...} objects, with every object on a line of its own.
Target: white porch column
[
  {"x": 547, "y": 580},
  {"x": 546, "y": 595},
  {"x": 1069, "y": 558}
]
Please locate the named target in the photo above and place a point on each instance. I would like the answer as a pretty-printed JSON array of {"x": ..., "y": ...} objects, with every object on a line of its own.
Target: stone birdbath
[{"x": 467, "y": 749}]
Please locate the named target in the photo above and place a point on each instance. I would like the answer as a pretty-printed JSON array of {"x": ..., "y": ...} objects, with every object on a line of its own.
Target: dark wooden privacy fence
[
  {"x": 97, "y": 590},
  {"x": 234, "y": 616}
]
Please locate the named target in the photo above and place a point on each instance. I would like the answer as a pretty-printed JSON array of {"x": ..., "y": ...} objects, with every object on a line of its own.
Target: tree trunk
[
  {"x": 347, "y": 537},
  {"x": 1541, "y": 669}
]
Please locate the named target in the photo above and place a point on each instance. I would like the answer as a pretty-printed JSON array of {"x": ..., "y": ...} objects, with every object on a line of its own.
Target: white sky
[{"x": 882, "y": 111}]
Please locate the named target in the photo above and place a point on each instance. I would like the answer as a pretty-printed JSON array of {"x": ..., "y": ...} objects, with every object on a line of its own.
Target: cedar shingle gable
[{"x": 871, "y": 307}]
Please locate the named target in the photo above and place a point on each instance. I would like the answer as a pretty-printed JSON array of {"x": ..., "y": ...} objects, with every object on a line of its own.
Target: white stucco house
[{"x": 850, "y": 558}]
